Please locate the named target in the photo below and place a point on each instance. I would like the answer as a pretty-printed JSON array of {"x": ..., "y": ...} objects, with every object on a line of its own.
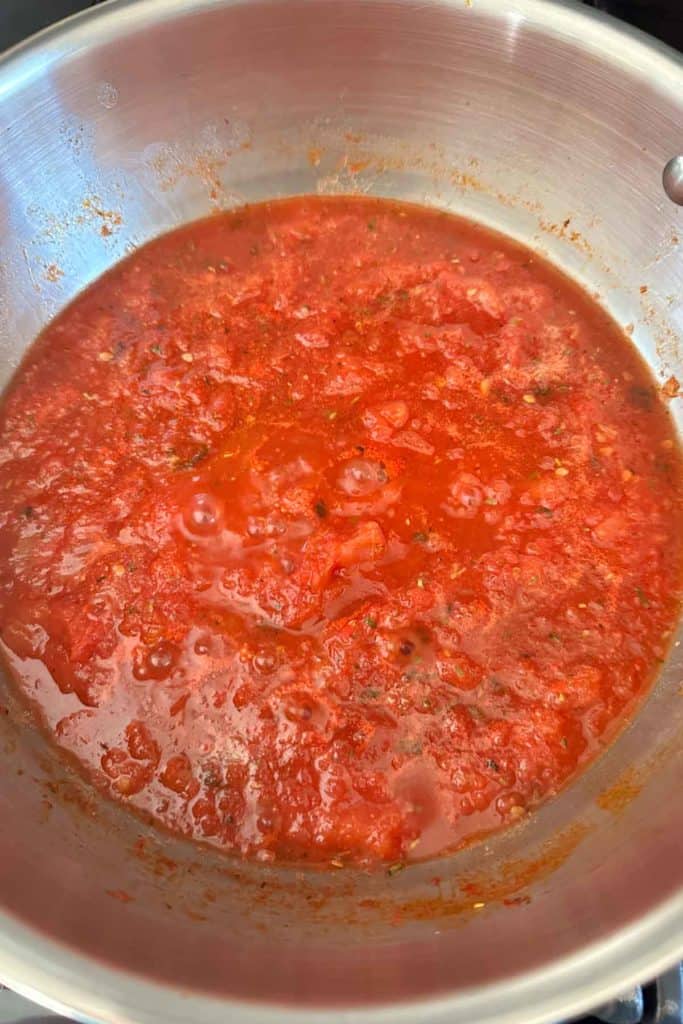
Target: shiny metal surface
[
  {"x": 626, "y": 1009},
  {"x": 672, "y": 179},
  {"x": 533, "y": 116},
  {"x": 669, "y": 997}
]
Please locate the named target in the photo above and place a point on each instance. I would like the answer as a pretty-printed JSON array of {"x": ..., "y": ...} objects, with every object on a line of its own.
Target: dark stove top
[
  {"x": 662, "y": 18},
  {"x": 661, "y": 1001}
]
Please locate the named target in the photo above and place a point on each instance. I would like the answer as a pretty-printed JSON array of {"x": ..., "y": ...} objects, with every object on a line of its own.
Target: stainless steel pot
[{"x": 537, "y": 117}]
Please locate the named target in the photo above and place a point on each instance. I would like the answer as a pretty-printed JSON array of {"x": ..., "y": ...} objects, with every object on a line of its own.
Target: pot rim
[
  {"x": 70, "y": 982},
  {"x": 53, "y": 975}
]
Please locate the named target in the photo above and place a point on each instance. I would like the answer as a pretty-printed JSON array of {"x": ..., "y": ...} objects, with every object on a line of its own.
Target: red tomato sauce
[{"x": 335, "y": 529}]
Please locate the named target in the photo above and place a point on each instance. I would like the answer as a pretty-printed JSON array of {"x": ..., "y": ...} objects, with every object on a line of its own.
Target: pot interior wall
[{"x": 534, "y": 119}]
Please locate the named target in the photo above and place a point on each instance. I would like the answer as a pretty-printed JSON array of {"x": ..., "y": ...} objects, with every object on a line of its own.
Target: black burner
[{"x": 660, "y": 1002}]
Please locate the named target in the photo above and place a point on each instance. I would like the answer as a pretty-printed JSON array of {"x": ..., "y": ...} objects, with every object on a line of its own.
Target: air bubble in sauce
[
  {"x": 362, "y": 476},
  {"x": 156, "y": 663},
  {"x": 203, "y": 515}
]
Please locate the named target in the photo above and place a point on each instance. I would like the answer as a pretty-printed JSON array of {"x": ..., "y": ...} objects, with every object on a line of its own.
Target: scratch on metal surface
[{"x": 27, "y": 259}]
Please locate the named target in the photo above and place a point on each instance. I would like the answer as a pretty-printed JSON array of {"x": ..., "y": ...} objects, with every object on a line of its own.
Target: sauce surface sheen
[{"x": 335, "y": 529}]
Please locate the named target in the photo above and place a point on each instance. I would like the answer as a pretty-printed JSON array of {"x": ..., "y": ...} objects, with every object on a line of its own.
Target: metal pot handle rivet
[{"x": 672, "y": 179}]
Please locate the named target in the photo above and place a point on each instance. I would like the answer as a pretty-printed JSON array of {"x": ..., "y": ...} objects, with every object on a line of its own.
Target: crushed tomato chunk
[{"x": 335, "y": 529}]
